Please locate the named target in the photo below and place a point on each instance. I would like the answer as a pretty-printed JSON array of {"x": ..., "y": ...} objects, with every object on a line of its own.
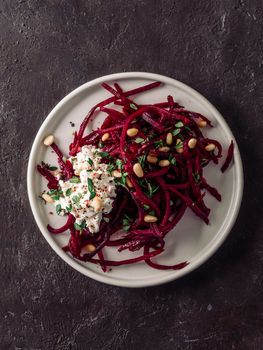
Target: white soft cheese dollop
[{"x": 76, "y": 196}]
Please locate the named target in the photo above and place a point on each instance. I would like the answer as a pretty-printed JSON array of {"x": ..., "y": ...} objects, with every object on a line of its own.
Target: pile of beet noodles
[{"x": 164, "y": 192}]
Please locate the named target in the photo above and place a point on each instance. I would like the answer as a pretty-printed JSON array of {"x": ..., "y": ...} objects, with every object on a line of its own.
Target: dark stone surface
[{"x": 48, "y": 48}]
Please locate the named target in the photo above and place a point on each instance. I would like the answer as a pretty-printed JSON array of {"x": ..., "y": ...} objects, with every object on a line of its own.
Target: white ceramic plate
[{"x": 191, "y": 240}]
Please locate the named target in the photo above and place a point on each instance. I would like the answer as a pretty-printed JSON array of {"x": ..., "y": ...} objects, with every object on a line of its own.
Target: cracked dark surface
[{"x": 48, "y": 48}]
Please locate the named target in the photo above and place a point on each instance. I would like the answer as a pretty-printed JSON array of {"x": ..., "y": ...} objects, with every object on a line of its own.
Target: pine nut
[
  {"x": 201, "y": 123},
  {"x": 90, "y": 248},
  {"x": 169, "y": 138},
  {"x": 47, "y": 198},
  {"x": 151, "y": 159},
  {"x": 132, "y": 132},
  {"x": 116, "y": 173},
  {"x": 150, "y": 218},
  {"x": 137, "y": 169},
  {"x": 192, "y": 143},
  {"x": 129, "y": 183},
  {"x": 105, "y": 137},
  {"x": 164, "y": 162},
  {"x": 164, "y": 149},
  {"x": 210, "y": 147},
  {"x": 49, "y": 140},
  {"x": 97, "y": 204},
  {"x": 179, "y": 150}
]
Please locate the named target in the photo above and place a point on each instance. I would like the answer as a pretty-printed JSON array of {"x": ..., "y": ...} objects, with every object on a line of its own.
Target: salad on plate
[{"x": 128, "y": 183}]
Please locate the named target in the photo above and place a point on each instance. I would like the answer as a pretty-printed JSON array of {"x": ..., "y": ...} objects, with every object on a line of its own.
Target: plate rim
[{"x": 176, "y": 273}]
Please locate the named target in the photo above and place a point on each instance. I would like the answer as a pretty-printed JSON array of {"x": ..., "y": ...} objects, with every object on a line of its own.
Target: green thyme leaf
[
  {"x": 139, "y": 140},
  {"x": 110, "y": 168},
  {"x": 158, "y": 143},
  {"x": 77, "y": 227},
  {"x": 142, "y": 159},
  {"x": 76, "y": 198},
  {"x": 179, "y": 145},
  {"x": 126, "y": 222},
  {"x": 90, "y": 161},
  {"x": 172, "y": 159},
  {"x": 155, "y": 189},
  {"x": 123, "y": 178},
  {"x": 196, "y": 177},
  {"x": 146, "y": 207},
  {"x": 176, "y": 132},
  {"x": 91, "y": 189},
  {"x": 68, "y": 192},
  {"x": 101, "y": 144},
  {"x": 179, "y": 125},
  {"x": 187, "y": 129},
  {"x": 74, "y": 180},
  {"x": 69, "y": 208},
  {"x": 119, "y": 164},
  {"x": 104, "y": 154},
  {"x": 55, "y": 197},
  {"x": 132, "y": 106},
  {"x": 58, "y": 208},
  {"x": 53, "y": 168}
]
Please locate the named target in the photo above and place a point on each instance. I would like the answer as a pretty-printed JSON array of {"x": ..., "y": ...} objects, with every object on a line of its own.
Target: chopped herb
[
  {"x": 179, "y": 125},
  {"x": 58, "y": 208},
  {"x": 139, "y": 140},
  {"x": 132, "y": 106},
  {"x": 68, "y": 192},
  {"x": 101, "y": 144},
  {"x": 90, "y": 161},
  {"x": 92, "y": 195},
  {"x": 91, "y": 189},
  {"x": 141, "y": 160},
  {"x": 126, "y": 223},
  {"x": 172, "y": 159},
  {"x": 110, "y": 168},
  {"x": 55, "y": 197},
  {"x": 76, "y": 198},
  {"x": 53, "y": 168},
  {"x": 196, "y": 177},
  {"x": 146, "y": 207},
  {"x": 151, "y": 188},
  {"x": 176, "y": 132},
  {"x": 155, "y": 189},
  {"x": 123, "y": 178},
  {"x": 187, "y": 129},
  {"x": 119, "y": 164},
  {"x": 81, "y": 226},
  {"x": 152, "y": 212},
  {"x": 158, "y": 143},
  {"x": 179, "y": 145},
  {"x": 55, "y": 194},
  {"x": 74, "y": 180},
  {"x": 104, "y": 154},
  {"x": 77, "y": 226},
  {"x": 69, "y": 208}
]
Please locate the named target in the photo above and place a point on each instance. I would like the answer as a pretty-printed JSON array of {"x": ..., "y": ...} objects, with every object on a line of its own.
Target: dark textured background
[{"x": 48, "y": 48}]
